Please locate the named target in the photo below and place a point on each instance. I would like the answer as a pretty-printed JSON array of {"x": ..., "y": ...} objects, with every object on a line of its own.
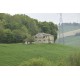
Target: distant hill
[
  {"x": 70, "y": 40},
  {"x": 69, "y": 27}
]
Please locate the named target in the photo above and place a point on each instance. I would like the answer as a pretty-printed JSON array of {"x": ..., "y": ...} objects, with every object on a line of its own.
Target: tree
[
  {"x": 6, "y": 36},
  {"x": 29, "y": 39},
  {"x": 49, "y": 27},
  {"x": 18, "y": 36}
]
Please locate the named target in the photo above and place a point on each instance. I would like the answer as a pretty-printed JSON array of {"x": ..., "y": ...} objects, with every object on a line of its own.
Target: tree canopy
[{"x": 17, "y": 28}]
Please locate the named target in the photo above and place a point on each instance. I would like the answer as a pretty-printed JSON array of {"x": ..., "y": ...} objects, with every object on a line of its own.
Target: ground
[{"x": 15, "y": 54}]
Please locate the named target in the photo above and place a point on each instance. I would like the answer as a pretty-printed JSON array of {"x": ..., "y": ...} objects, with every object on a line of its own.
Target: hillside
[
  {"x": 20, "y": 27},
  {"x": 15, "y": 54},
  {"x": 70, "y": 27},
  {"x": 70, "y": 40}
]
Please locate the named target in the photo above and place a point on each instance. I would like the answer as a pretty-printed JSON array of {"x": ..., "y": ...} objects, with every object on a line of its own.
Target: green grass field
[{"x": 15, "y": 54}]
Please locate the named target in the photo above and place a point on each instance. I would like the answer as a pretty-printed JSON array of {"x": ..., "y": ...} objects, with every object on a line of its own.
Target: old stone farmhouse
[{"x": 44, "y": 38}]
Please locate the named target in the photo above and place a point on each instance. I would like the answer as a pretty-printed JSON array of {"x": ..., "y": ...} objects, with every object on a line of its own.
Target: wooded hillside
[{"x": 17, "y": 28}]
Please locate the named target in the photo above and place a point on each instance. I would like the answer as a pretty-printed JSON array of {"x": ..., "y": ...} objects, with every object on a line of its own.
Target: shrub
[
  {"x": 74, "y": 59},
  {"x": 61, "y": 62},
  {"x": 36, "y": 62}
]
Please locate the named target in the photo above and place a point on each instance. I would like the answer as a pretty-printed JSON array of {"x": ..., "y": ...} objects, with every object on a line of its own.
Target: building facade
[{"x": 44, "y": 38}]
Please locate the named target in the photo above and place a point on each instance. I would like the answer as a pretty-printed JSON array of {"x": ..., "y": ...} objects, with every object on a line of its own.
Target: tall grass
[
  {"x": 36, "y": 62},
  {"x": 74, "y": 59}
]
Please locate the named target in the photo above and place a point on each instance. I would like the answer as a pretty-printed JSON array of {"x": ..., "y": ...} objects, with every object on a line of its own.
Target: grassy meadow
[{"x": 36, "y": 54}]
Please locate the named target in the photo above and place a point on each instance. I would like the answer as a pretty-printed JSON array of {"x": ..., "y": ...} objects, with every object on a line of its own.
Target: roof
[{"x": 42, "y": 34}]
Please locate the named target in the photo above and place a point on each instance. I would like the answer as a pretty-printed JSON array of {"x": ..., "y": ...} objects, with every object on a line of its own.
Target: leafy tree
[
  {"x": 6, "y": 36},
  {"x": 18, "y": 36},
  {"x": 29, "y": 39}
]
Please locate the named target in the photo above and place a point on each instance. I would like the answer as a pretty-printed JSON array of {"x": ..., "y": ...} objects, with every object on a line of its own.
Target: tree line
[
  {"x": 71, "y": 24},
  {"x": 20, "y": 27}
]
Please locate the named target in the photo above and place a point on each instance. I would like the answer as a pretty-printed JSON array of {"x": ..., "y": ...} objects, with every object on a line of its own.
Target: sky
[
  {"x": 55, "y": 17},
  {"x": 43, "y": 10}
]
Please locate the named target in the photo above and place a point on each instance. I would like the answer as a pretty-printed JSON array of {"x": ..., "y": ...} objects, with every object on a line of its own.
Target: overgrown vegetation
[
  {"x": 36, "y": 62},
  {"x": 74, "y": 59},
  {"x": 17, "y": 28}
]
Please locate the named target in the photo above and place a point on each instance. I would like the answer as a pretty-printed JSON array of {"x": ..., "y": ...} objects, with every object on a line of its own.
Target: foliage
[
  {"x": 29, "y": 39},
  {"x": 49, "y": 27},
  {"x": 74, "y": 59},
  {"x": 36, "y": 62},
  {"x": 16, "y": 28}
]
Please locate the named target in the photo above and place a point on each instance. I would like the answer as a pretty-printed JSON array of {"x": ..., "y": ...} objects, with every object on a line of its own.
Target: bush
[
  {"x": 61, "y": 62},
  {"x": 74, "y": 59},
  {"x": 36, "y": 62}
]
